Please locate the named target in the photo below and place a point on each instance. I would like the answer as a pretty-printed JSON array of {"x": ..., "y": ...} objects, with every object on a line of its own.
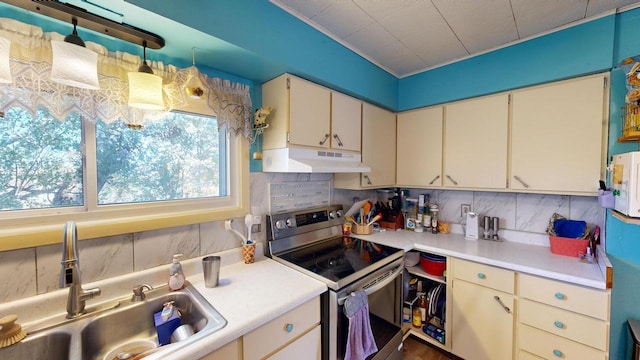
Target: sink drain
[{"x": 130, "y": 349}]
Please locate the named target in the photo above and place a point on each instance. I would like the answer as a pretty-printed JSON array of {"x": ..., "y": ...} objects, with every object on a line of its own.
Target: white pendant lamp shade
[
  {"x": 74, "y": 65},
  {"x": 5, "y": 66},
  {"x": 145, "y": 91}
]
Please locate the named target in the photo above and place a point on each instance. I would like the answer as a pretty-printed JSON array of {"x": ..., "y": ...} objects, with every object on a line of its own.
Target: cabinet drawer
[
  {"x": 270, "y": 337},
  {"x": 307, "y": 347},
  {"x": 484, "y": 275},
  {"x": 523, "y": 355},
  {"x": 550, "y": 346},
  {"x": 577, "y": 327},
  {"x": 590, "y": 302}
]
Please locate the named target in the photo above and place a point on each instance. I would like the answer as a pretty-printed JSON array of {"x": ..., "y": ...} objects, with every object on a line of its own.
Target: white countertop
[
  {"x": 249, "y": 296},
  {"x": 524, "y": 258}
]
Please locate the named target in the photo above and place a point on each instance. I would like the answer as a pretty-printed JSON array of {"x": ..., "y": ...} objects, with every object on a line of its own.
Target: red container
[
  {"x": 433, "y": 264},
  {"x": 568, "y": 246}
]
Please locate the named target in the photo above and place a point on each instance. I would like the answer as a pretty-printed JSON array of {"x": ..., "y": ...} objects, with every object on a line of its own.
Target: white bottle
[{"x": 176, "y": 275}]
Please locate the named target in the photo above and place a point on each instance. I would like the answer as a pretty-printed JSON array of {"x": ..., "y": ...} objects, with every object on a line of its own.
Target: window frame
[{"x": 45, "y": 226}]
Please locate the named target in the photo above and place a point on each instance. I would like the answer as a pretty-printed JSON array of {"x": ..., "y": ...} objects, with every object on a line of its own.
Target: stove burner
[{"x": 336, "y": 262}]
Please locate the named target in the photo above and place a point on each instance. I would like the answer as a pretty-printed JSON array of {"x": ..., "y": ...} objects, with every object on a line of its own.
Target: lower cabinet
[
  {"x": 270, "y": 338},
  {"x": 231, "y": 351},
  {"x": 483, "y": 314},
  {"x": 294, "y": 335}
]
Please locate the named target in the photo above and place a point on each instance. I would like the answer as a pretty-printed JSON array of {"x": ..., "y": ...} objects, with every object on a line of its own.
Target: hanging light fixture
[
  {"x": 74, "y": 64},
  {"x": 145, "y": 88},
  {"x": 5, "y": 66},
  {"x": 194, "y": 87}
]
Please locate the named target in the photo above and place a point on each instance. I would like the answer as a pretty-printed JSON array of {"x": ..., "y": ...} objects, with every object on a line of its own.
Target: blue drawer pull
[
  {"x": 560, "y": 296},
  {"x": 557, "y": 353},
  {"x": 481, "y": 275},
  {"x": 558, "y": 324},
  {"x": 289, "y": 328}
]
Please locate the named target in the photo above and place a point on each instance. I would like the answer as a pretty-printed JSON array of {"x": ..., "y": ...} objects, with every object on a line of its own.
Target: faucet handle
[{"x": 138, "y": 292}]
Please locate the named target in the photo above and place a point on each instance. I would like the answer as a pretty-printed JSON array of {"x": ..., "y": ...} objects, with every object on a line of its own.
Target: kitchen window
[{"x": 175, "y": 170}]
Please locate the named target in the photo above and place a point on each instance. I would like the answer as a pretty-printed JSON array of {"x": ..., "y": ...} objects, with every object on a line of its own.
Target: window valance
[{"x": 31, "y": 58}]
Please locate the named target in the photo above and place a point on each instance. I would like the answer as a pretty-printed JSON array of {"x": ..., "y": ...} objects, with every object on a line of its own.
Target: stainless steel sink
[
  {"x": 102, "y": 334},
  {"x": 53, "y": 345}
]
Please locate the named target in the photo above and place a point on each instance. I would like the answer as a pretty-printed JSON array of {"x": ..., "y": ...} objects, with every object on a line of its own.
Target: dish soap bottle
[{"x": 176, "y": 275}]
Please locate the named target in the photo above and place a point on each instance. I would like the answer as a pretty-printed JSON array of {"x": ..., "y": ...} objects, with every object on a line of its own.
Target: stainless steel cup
[
  {"x": 211, "y": 270},
  {"x": 182, "y": 332}
]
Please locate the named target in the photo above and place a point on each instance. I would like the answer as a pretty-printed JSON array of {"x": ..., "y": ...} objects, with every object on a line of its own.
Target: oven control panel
[{"x": 290, "y": 223}]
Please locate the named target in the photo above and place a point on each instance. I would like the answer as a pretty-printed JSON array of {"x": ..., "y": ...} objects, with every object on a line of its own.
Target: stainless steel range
[{"x": 311, "y": 241}]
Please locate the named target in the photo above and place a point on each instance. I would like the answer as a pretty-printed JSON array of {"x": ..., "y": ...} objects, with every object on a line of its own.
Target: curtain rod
[{"x": 67, "y": 12}]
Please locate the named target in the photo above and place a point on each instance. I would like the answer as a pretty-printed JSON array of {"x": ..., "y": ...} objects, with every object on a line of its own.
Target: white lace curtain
[{"x": 30, "y": 59}]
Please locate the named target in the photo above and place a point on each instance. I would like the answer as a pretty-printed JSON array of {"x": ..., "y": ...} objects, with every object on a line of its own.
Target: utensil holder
[
  {"x": 249, "y": 253},
  {"x": 606, "y": 199},
  {"x": 362, "y": 229}
]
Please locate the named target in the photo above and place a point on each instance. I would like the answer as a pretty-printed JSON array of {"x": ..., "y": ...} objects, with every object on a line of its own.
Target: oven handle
[{"x": 377, "y": 286}]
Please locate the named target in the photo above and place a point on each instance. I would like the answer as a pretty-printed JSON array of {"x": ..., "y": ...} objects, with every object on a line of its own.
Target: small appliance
[
  {"x": 625, "y": 182},
  {"x": 473, "y": 226}
]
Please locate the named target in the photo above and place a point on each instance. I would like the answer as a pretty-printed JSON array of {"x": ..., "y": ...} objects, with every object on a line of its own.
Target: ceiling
[{"x": 405, "y": 37}]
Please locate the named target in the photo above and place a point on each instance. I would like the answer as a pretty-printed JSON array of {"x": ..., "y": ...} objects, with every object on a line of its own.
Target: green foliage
[{"x": 41, "y": 162}]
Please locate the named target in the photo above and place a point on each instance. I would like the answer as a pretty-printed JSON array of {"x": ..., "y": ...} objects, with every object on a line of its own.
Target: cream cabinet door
[
  {"x": 378, "y": 146},
  {"x": 481, "y": 326},
  {"x": 231, "y": 351},
  {"x": 557, "y": 136},
  {"x": 419, "y": 146},
  {"x": 309, "y": 113},
  {"x": 346, "y": 122},
  {"x": 475, "y": 143}
]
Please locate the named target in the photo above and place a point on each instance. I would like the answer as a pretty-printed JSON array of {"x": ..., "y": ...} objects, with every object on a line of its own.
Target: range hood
[{"x": 303, "y": 160}]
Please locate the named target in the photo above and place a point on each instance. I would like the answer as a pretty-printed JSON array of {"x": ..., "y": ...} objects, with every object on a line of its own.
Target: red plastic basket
[{"x": 568, "y": 246}]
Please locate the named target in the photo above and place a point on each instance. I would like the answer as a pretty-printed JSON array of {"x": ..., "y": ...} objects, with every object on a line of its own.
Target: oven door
[{"x": 384, "y": 289}]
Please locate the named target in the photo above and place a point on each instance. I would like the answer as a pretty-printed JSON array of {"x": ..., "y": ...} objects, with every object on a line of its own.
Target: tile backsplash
[{"x": 523, "y": 217}]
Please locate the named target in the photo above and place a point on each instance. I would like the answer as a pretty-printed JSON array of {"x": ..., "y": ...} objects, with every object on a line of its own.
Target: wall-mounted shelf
[{"x": 624, "y": 218}]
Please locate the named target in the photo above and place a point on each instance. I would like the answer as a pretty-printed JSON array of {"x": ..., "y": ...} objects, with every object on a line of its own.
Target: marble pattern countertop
[{"x": 523, "y": 258}]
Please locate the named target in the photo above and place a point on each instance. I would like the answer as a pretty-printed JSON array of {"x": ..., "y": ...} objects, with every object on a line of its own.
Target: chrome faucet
[{"x": 70, "y": 273}]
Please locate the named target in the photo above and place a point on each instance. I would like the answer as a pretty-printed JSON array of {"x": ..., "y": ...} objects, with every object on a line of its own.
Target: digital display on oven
[{"x": 311, "y": 218}]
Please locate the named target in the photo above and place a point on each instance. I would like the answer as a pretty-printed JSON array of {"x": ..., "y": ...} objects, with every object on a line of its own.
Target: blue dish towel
[{"x": 360, "y": 340}]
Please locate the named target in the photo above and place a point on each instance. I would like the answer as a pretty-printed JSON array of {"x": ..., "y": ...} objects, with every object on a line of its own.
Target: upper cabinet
[
  {"x": 346, "y": 122},
  {"x": 419, "y": 149},
  {"x": 558, "y": 136},
  {"x": 307, "y": 114},
  {"x": 475, "y": 143},
  {"x": 378, "y": 151}
]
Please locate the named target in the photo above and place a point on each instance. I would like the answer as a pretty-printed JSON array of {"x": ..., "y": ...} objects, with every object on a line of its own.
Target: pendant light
[
  {"x": 5, "y": 66},
  {"x": 194, "y": 88},
  {"x": 145, "y": 88},
  {"x": 73, "y": 64}
]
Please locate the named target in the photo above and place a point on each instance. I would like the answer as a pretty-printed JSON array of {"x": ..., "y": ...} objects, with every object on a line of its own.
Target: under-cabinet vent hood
[{"x": 301, "y": 160}]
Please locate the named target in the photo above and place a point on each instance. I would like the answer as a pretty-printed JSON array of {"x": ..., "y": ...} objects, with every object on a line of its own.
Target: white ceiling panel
[
  {"x": 305, "y": 8},
  {"x": 596, "y": 7},
  {"x": 409, "y": 36},
  {"x": 534, "y": 17},
  {"x": 342, "y": 18},
  {"x": 480, "y": 25}
]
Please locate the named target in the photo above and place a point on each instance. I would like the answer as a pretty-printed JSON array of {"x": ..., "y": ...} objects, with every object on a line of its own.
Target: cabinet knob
[
  {"x": 560, "y": 296},
  {"x": 557, "y": 353},
  {"x": 481, "y": 276},
  {"x": 558, "y": 324},
  {"x": 289, "y": 328}
]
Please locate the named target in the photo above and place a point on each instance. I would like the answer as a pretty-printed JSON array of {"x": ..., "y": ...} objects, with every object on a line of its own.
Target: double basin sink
[{"x": 120, "y": 328}]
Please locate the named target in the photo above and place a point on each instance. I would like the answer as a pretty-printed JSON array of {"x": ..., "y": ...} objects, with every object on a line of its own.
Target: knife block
[{"x": 395, "y": 223}]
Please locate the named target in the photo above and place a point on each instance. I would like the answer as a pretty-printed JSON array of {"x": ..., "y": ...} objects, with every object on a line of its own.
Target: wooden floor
[{"x": 416, "y": 349}]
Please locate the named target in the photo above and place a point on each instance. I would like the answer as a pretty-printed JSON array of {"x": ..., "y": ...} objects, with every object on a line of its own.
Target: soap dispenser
[{"x": 176, "y": 275}]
